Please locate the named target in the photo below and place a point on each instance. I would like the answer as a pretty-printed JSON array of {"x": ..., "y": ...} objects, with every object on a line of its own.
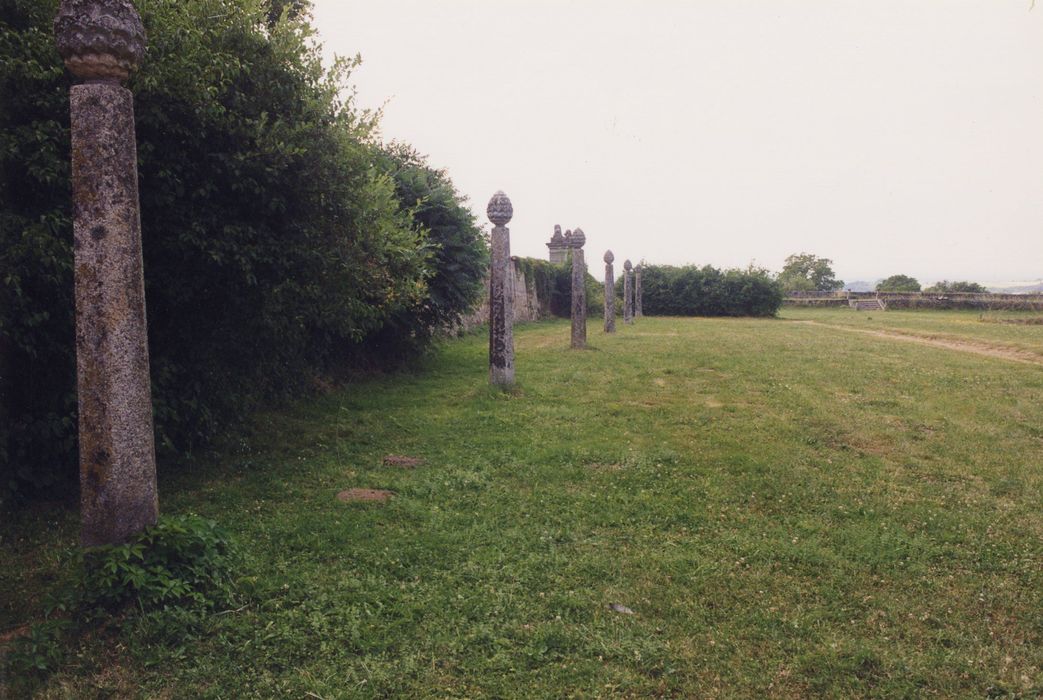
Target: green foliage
[
  {"x": 707, "y": 291},
  {"x": 553, "y": 284},
  {"x": 946, "y": 287},
  {"x": 459, "y": 255},
  {"x": 37, "y": 366},
  {"x": 34, "y": 656},
  {"x": 182, "y": 560},
  {"x": 805, "y": 272},
  {"x": 163, "y": 577},
  {"x": 280, "y": 242},
  {"x": 898, "y": 283}
]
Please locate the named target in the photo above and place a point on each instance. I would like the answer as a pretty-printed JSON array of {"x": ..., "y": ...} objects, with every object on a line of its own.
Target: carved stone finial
[
  {"x": 557, "y": 238},
  {"x": 609, "y": 257},
  {"x": 100, "y": 40},
  {"x": 500, "y": 210},
  {"x": 578, "y": 239},
  {"x": 627, "y": 266}
]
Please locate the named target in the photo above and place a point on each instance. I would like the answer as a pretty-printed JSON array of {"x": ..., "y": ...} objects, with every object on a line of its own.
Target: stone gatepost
[
  {"x": 638, "y": 313},
  {"x": 501, "y": 307},
  {"x": 579, "y": 290},
  {"x": 610, "y": 293},
  {"x": 557, "y": 247},
  {"x": 628, "y": 293},
  {"x": 102, "y": 42}
]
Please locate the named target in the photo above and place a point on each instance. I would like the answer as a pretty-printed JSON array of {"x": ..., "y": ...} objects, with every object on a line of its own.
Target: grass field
[{"x": 789, "y": 509}]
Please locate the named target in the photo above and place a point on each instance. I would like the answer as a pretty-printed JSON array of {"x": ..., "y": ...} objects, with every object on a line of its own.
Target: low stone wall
[
  {"x": 921, "y": 300},
  {"x": 524, "y": 300}
]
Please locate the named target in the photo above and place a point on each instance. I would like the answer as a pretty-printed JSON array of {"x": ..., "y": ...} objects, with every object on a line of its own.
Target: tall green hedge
[
  {"x": 707, "y": 291},
  {"x": 279, "y": 238}
]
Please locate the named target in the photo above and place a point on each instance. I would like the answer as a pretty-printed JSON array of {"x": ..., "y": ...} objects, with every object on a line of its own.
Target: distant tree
[
  {"x": 807, "y": 273},
  {"x": 898, "y": 283},
  {"x": 945, "y": 287}
]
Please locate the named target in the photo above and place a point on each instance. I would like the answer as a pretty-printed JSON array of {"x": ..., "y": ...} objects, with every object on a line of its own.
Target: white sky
[{"x": 893, "y": 136}]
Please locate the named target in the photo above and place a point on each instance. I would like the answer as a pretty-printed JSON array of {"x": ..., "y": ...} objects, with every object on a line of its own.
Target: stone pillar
[
  {"x": 638, "y": 313},
  {"x": 501, "y": 308},
  {"x": 628, "y": 293},
  {"x": 579, "y": 290},
  {"x": 102, "y": 42},
  {"x": 610, "y": 293}
]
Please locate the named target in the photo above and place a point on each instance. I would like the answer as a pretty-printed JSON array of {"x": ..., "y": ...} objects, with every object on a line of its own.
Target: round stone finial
[
  {"x": 500, "y": 210},
  {"x": 627, "y": 266},
  {"x": 609, "y": 257},
  {"x": 100, "y": 40},
  {"x": 578, "y": 239}
]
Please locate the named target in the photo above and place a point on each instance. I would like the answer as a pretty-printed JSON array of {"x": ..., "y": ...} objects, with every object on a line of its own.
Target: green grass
[
  {"x": 789, "y": 510},
  {"x": 975, "y": 326}
]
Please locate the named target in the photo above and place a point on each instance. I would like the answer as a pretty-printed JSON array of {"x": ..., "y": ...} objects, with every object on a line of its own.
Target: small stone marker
[
  {"x": 501, "y": 336},
  {"x": 638, "y": 313},
  {"x": 619, "y": 608},
  {"x": 402, "y": 461},
  {"x": 579, "y": 290},
  {"x": 628, "y": 293},
  {"x": 365, "y": 496},
  {"x": 102, "y": 42},
  {"x": 610, "y": 293}
]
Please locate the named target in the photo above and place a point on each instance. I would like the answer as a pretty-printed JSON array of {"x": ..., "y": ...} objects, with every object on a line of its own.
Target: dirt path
[{"x": 971, "y": 346}]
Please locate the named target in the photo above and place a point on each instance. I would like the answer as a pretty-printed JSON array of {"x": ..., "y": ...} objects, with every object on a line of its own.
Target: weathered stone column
[
  {"x": 102, "y": 42},
  {"x": 628, "y": 293},
  {"x": 579, "y": 290},
  {"x": 610, "y": 293},
  {"x": 638, "y": 313},
  {"x": 501, "y": 309}
]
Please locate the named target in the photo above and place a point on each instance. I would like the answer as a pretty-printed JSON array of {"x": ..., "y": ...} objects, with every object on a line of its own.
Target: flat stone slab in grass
[
  {"x": 402, "y": 461},
  {"x": 364, "y": 496},
  {"x": 619, "y": 608}
]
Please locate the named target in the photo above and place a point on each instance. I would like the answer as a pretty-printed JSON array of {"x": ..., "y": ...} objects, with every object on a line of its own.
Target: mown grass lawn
[{"x": 789, "y": 510}]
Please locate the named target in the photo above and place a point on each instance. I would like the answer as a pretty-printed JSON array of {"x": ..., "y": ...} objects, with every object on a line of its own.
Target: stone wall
[
  {"x": 922, "y": 300},
  {"x": 524, "y": 300}
]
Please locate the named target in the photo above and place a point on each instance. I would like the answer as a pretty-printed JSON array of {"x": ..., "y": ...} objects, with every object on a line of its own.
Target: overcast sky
[{"x": 893, "y": 136}]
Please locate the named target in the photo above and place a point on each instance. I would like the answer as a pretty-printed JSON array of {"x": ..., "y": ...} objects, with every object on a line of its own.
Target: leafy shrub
[
  {"x": 170, "y": 574},
  {"x": 707, "y": 291},
  {"x": 182, "y": 560}
]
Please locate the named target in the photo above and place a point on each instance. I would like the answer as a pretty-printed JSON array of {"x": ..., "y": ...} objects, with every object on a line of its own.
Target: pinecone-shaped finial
[
  {"x": 500, "y": 210},
  {"x": 100, "y": 40},
  {"x": 578, "y": 238}
]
